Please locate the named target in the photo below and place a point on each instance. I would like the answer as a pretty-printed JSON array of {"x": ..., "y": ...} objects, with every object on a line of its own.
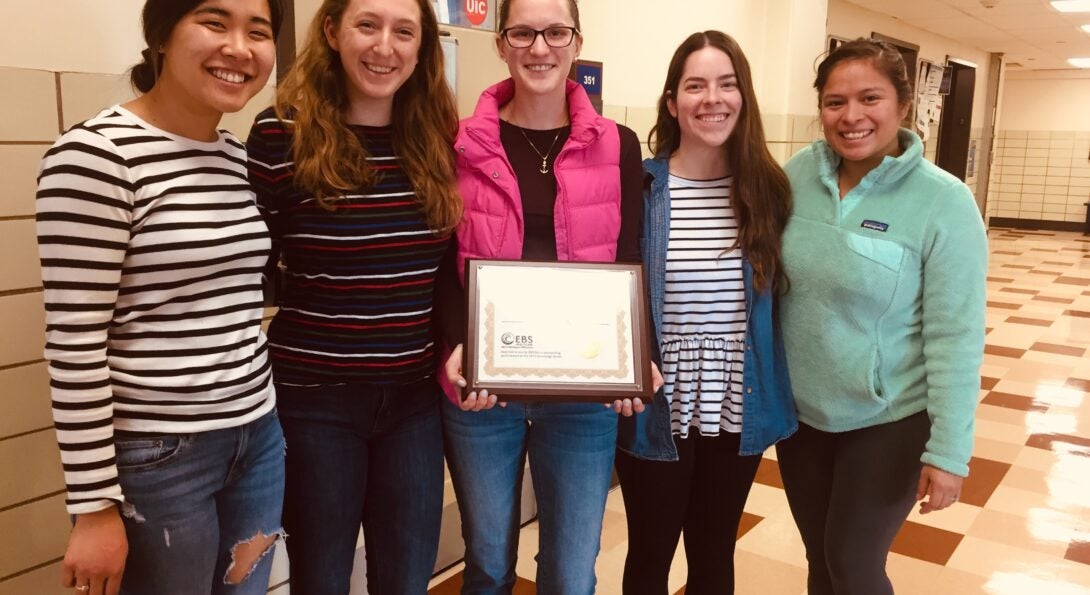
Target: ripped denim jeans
[{"x": 202, "y": 511}]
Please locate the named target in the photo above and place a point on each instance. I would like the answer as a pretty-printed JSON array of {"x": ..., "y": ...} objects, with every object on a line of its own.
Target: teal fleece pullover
[{"x": 885, "y": 313}]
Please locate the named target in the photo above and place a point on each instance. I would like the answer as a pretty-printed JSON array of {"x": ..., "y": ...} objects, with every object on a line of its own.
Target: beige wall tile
[
  {"x": 32, "y": 534},
  {"x": 35, "y": 461},
  {"x": 777, "y": 127},
  {"x": 24, "y": 399},
  {"x": 641, "y": 120},
  {"x": 31, "y": 95},
  {"x": 617, "y": 113},
  {"x": 805, "y": 128},
  {"x": 23, "y": 319},
  {"x": 83, "y": 95},
  {"x": 19, "y": 178},
  {"x": 41, "y": 581},
  {"x": 19, "y": 245}
]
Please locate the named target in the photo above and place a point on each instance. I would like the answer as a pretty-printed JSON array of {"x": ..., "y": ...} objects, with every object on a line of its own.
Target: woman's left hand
[
  {"x": 628, "y": 407},
  {"x": 941, "y": 489}
]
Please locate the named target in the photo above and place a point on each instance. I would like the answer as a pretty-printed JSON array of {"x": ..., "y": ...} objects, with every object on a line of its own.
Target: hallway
[{"x": 1023, "y": 525}]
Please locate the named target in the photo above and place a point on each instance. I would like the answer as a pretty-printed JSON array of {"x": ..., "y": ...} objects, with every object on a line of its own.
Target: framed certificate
[{"x": 557, "y": 331}]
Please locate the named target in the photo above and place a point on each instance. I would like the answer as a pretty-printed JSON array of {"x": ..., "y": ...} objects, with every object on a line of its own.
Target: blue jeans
[
  {"x": 191, "y": 498},
  {"x": 571, "y": 448},
  {"x": 369, "y": 455}
]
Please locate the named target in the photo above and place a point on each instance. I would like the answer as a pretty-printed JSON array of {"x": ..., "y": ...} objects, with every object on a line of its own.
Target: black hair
[{"x": 159, "y": 19}]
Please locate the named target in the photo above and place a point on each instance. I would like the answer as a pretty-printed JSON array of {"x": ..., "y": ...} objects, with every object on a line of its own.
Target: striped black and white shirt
[
  {"x": 152, "y": 251},
  {"x": 704, "y": 310}
]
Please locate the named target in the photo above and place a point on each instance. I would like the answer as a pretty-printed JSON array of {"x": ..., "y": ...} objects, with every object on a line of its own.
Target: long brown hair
[
  {"x": 760, "y": 192},
  {"x": 329, "y": 160}
]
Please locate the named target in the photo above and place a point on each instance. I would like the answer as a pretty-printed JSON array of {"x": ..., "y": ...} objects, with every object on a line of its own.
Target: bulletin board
[{"x": 928, "y": 97}]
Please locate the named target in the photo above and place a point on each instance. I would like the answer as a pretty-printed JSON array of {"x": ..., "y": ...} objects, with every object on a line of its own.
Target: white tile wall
[{"x": 1042, "y": 174}]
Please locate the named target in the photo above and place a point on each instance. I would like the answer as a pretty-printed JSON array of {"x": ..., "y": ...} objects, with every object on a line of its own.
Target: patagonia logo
[{"x": 875, "y": 225}]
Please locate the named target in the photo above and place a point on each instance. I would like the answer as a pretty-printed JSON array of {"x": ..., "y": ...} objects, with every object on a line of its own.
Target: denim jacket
[{"x": 768, "y": 409}]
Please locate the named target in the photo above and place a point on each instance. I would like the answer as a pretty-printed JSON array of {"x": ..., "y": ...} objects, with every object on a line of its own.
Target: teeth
[
  {"x": 855, "y": 135},
  {"x": 379, "y": 69},
  {"x": 539, "y": 67},
  {"x": 715, "y": 118},
  {"x": 227, "y": 75}
]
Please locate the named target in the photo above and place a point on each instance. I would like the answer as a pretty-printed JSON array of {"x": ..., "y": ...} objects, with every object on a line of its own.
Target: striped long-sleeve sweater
[
  {"x": 358, "y": 280},
  {"x": 152, "y": 252}
]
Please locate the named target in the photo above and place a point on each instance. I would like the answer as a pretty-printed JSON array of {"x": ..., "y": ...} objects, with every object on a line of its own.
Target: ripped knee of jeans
[{"x": 246, "y": 555}]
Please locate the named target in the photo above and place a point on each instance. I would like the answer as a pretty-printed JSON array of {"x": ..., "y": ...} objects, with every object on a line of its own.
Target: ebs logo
[{"x": 517, "y": 340}]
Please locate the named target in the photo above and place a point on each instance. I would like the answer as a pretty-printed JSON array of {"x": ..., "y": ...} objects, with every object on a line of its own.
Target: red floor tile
[
  {"x": 926, "y": 543},
  {"x": 1029, "y": 321},
  {"x": 1055, "y": 300},
  {"x": 768, "y": 473},
  {"x": 1003, "y": 351},
  {"x": 1078, "y": 551},
  {"x": 1012, "y": 401},
  {"x": 984, "y": 477},
  {"x": 1058, "y": 349},
  {"x": 988, "y": 383}
]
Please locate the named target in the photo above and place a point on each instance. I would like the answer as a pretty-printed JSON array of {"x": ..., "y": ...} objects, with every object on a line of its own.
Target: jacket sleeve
[
  {"x": 628, "y": 241},
  {"x": 955, "y": 266}
]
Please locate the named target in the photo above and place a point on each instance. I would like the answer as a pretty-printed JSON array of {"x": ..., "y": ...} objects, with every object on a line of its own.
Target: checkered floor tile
[{"x": 1023, "y": 524}]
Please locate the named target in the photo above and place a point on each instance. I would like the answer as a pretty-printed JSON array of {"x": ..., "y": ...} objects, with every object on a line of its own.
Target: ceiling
[{"x": 1029, "y": 33}]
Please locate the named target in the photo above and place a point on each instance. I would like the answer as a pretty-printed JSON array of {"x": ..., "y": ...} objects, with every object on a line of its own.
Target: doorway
[{"x": 957, "y": 117}]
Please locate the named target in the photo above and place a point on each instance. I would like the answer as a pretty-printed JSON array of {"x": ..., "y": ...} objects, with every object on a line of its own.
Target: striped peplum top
[
  {"x": 152, "y": 252},
  {"x": 358, "y": 280}
]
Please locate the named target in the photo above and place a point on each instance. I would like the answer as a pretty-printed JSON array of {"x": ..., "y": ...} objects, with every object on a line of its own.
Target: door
[{"x": 957, "y": 116}]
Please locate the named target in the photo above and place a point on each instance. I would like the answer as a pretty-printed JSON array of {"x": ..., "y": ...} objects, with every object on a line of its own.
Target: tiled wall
[
  {"x": 33, "y": 524},
  {"x": 1041, "y": 175}
]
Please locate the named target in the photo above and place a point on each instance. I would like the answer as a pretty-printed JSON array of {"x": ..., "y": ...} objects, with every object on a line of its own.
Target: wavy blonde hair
[{"x": 329, "y": 159}]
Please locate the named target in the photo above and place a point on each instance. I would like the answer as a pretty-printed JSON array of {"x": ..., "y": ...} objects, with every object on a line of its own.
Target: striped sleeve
[
  {"x": 84, "y": 215},
  {"x": 269, "y": 166}
]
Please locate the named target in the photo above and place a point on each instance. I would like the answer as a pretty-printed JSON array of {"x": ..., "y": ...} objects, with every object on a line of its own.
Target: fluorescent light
[
  {"x": 1071, "y": 5},
  {"x": 1086, "y": 28},
  {"x": 1079, "y": 62}
]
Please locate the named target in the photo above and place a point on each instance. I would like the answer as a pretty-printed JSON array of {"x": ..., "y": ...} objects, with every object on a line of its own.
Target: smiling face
[
  {"x": 860, "y": 113},
  {"x": 219, "y": 56},
  {"x": 379, "y": 45},
  {"x": 708, "y": 102},
  {"x": 539, "y": 69}
]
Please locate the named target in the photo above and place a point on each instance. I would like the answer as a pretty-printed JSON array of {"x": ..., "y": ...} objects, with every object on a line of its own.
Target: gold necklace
[{"x": 544, "y": 158}]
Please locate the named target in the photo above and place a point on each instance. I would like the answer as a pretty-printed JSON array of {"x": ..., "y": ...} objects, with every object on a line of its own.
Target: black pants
[
  {"x": 703, "y": 493},
  {"x": 850, "y": 493}
]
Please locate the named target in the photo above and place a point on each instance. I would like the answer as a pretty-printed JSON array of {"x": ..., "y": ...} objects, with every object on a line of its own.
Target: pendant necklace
[{"x": 544, "y": 157}]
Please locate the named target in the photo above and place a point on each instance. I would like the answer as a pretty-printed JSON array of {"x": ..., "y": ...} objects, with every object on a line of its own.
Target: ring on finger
[{"x": 83, "y": 588}]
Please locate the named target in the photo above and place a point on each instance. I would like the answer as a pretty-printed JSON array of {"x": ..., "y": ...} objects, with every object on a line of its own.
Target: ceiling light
[
  {"x": 1079, "y": 62},
  {"x": 1086, "y": 28},
  {"x": 1071, "y": 5}
]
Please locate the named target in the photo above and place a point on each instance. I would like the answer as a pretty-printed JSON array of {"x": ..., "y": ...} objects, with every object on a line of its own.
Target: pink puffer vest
[{"x": 587, "y": 215}]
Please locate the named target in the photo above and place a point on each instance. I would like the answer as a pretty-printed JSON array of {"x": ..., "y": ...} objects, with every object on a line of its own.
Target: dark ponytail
[
  {"x": 159, "y": 19},
  {"x": 143, "y": 75}
]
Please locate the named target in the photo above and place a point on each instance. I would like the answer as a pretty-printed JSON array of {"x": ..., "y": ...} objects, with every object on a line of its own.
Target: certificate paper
[{"x": 559, "y": 329}]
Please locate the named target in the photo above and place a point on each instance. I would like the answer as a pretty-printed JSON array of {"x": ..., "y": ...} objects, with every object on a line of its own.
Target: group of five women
[{"x": 848, "y": 289}]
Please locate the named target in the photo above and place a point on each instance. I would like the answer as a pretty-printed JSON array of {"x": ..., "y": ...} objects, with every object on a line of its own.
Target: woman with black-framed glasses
[{"x": 542, "y": 177}]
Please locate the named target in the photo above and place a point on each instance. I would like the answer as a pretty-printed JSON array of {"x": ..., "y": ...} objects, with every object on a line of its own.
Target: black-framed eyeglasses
[{"x": 524, "y": 37}]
